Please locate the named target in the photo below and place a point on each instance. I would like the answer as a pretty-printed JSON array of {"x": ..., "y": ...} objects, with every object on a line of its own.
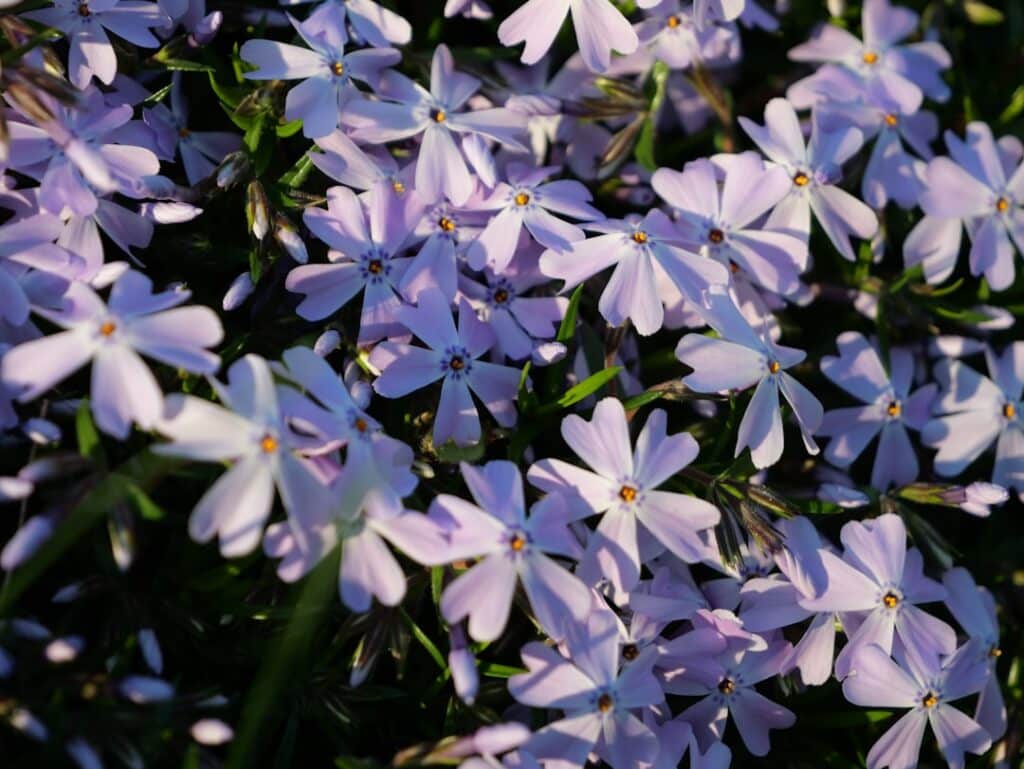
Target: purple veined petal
[
  {"x": 755, "y": 716},
  {"x": 537, "y": 23},
  {"x": 368, "y": 571},
  {"x": 203, "y": 431},
  {"x": 626, "y": 741},
  {"x": 552, "y": 681},
  {"x": 992, "y": 254},
  {"x": 630, "y": 294},
  {"x": 497, "y": 487},
  {"x": 675, "y": 519},
  {"x": 750, "y": 189},
  {"x": 496, "y": 245},
  {"x": 557, "y": 597},
  {"x": 326, "y": 287},
  {"x": 407, "y": 368},
  {"x": 457, "y": 417},
  {"x": 880, "y": 548},
  {"x": 851, "y": 429},
  {"x": 584, "y": 259},
  {"x": 812, "y": 655},
  {"x": 806, "y": 408},
  {"x": 718, "y": 364},
  {"x": 281, "y": 61},
  {"x": 876, "y": 681},
  {"x": 896, "y": 461},
  {"x": 554, "y": 475},
  {"x": 123, "y": 391},
  {"x": 614, "y": 548},
  {"x": 957, "y": 734},
  {"x": 827, "y": 43},
  {"x": 448, "y": 86},
  {"x": 695, "y": 189},
  {"x": 658, "y": 456},
  {"x": 761, "y": 426},
  {"x": 484, "y": 594},
  {"x": 953, "y": 193},
  {"x": 600, "y": 29},
  {"x": 603, "y": 442},
  {"x": 550, "y": 231},
  {"x": 235, "y": 508},
  {"x": 566, "y": 742},
  {"x": 848, "y": 589},
  {"x": 176, "y": 337},
  {"x": 314, "y": 101},
  {"x": 841, "y": 215},
  {"x": 900, "y": 746},
  {"x": 441, "y": 170},
  {"x": 708, "y": 717},
  {"x": 960, "y": 439},
  {"x": 31, "y": 368}
]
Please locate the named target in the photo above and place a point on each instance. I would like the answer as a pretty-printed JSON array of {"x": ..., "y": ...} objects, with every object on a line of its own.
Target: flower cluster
[{"x": 432, "y": 375}]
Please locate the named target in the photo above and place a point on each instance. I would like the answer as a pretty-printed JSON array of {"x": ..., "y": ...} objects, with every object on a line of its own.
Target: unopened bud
[
  {"x": 257, "y": 209},
  {"x": 232, "y": 169},
  {"x": 287, "y": 236}
]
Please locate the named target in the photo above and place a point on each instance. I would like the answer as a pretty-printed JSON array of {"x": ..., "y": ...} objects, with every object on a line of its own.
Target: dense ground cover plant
[{"x": 511, "y": 385}]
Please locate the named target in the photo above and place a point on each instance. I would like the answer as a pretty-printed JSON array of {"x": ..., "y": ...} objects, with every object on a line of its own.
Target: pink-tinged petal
[
  {"x": 627, "y": 741},
  {"x": 900, "y": 746},
  {"x": 957, "y": 734},
  {"x": 31, "y": 368},
  {"x": 496, "y": 386},
  {"x": 441, "y": 170},
  {"x": 123, "y": 391},
  {"x": 953, "y": 193},
  {"x": 203, "y": 431},
  {"x": 848, "y": 589},
  {"x": 875, "y": 681},
  {"x": 565, "y": 743},
  {"x": 406, "y": 368},
  {"x": 761, "y": 426},
  {"x": 878, "y": 547},
  {"x": 603, "y": 442},
  {"x": 176, "y": 337},
  {"x": 281, "y": 61},
  {"x": 557, "y": 597},
  {"x": 496, "y": 245},
  {"x": 457, "y": 417},
  {"x": 658, "y": 456},
  {"x": 675, "y": 519},
  {"x": 326, "y": 287},
  {"x": 554, "y": 475},
  {"x": 719, "y": 365},
  {"x": 755, "y": 716},
  {"x": 235, "y": 508},
  {"x": 600, "y": 29},
  {"x": 368, "y": 571},
  {"x": 614, "y": 548},
  {"x": 552, "y": 681},
  {"x": 585, "y": 258},
  {"x": 484, "y": 594},
  {"x": 537, "y": 23},
  {"x": 631, "y": 294}
]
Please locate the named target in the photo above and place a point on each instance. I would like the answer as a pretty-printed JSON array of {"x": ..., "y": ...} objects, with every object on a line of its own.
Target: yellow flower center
[
  {"x": 522, "y": 199},
  {"x": 774, "y": 367},
  {"x": 890, "y": 600},
  {"x": 801, "y": 179},
  {"x": 361, "y": 424},
  {"x": 398, "y": 187},
  {"x": 870, "y": 57},
  {"x": 456, "y": 364},
  {"x": 446, "y": 224},
  {"x": 268, "y": 444},
  {"x": 1002, "y": 204},
  {"x": 894, "y": 409},
  {"x": 716, "y": 235},
  {"x": 639, "y": 236},
  {"x": 338, "y": 68},
  {"x": 108, "y": 328},
  {"x": 501, "y": 296},
  {"x": 930, "y": 700},
  {"x": 891, "y": 120},
  {"x": 727, "y": 686},
  {"x": 605, "y": 702},
  {"x": 1009, "y": 410},
  {"x": 627, "y": 493},
  {"x": 672, "y": 21},
  {"x": 517, "y": 543},
  {"x": 438, "y": 116},
  {"x": 995, "y": 652},
  {"x": 375, "y": 266}
]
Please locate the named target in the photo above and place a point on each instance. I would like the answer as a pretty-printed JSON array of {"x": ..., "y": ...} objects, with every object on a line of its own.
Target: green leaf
[
  {"x": 89, "y": 445},
  {"x": 494, "y": 670},
  {"x": 142, "y": 502},
  {"x": 288, "y": 129},
  {"x": 423, "y": 639},
  {"x": 588, "y": 386},
  {"x": 184, "y": 65},
  {"x": 980, "y": 13},
  {"x": 453, "y": 454},
  {"x": 1014, "y": 108},
  {"x": 296, "y": 175},
  {"x": 567, "y": 328},
  {"x": 230, "y": 95},
  {"x": 648, "y": 396},
  {"x": 158, "y": 95}
]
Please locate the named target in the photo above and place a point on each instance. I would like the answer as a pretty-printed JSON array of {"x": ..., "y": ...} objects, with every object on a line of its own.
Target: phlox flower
[
  {"x": 890, "y": 409},
  {"x": 742, "y": 358},
  {"x": 600, "y": 29},
  {"x": 324, "y": 68},
  {"x": 720, "y": 220},
  {"x": 815, "y": 168},
  {"x": 446, "y": 233},
  {"x": 927, "y": 689},
  {"x": 513, "y": 547},
  {"x": 972, "y": 411},
  {"x": 622, "y": 486},
  {"x": 251, "y": 433},
  {"x": 639, "y": 249},
  {"x": 597, "y": 693},
  {"x": 28, "y": 244},
  {"x": 706, "y": 12},
  {"x": 452, "y": 356},
  {"x": 680, "y": 36},
  {"x": 371, "y": 21},
  {"x": 411, "y": 110},
  {"x": 112, "y": 335}
]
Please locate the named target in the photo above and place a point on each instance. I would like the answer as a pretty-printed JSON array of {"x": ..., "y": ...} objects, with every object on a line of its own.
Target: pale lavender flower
[
  {"x": 28, "y": 244},
  {"x": 452, "y": 356},
  {"x": 251, "y": 433},
  {"x": 111, "y": 335},
  {"x": 639, "y": 249},
  {"x": 513, "y": 548},
  {"x": 441, "y": 168},
  {"x": 371, "y": 21},
  {"x": 622, "y": 486},
  {"x": 722, "y": 220},
  {"x": 890, "y": 409},
  {"x": 976, "y": 498},
  {"x": 86, "y": 23},
  {"x": 739, "y": 359},
  {"x": 362, "y": 257},
  {"x": 436, "y": 264},
  {"x": 596, "y": 693},
  {"x": 881, "y": 582},
  {"x": 600, "y": 29},
  {"x": 679, "y": 37},
  {"x": 816, "y": 169},
  {"x": 927, "y": 689},
  {"x": 469, "y": 9},
  {"x": 526, "y": 200},
  {"x": 324, "y": 68},
  {"x": 981, "y": 187},
  {"x": 973, "y": 411}
]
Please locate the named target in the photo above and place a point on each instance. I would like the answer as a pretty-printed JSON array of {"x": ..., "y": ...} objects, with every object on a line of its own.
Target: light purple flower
[
  {"x": 250, "y": 432},
  {"x": 86, "y": 23},
  {"x": 981, "y": 187},
  {"x": 112, "y": 335},
  {"x": 890, "y": 410},
  {"x": 976, "y": 498},
  {"x": 816, "y": 169},
  {"x": 325, "y": 70},
  {"x": 597, "y": 694},
  {"x": 513, "y": 548},
  {"x": 739, "y": 359},
  {"x": 722, "y": 220},
  {"x": 927, "y": 689},
  {"x": 639, "y": 249},
  {"x": 680, "y": 36},
  {"x": 436, "y": 265},
  {"x": 371, "y": 21},
  {"x": 881, "y": 582},
  {"x": 527, "y": 201},
  {"x": 28, "y": 244},
  {"x": 452, "y": 356},
  {"x": 362, "y": 257},
  {"x": 441, "y": 168},
  {"x": 600, "y": 29},
  {"x": 622, "y": 486}
]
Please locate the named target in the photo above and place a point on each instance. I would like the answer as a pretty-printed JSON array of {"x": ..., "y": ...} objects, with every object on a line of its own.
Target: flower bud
[
  {"x": 257, "y": 210},
  {"x": 241, "y": 288}
]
